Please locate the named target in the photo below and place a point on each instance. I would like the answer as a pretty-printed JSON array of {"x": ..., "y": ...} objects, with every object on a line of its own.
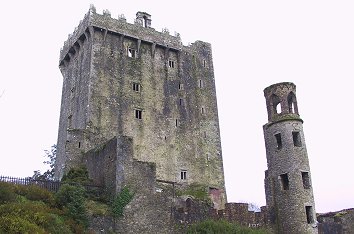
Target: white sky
[{"x": 255, "y": 44}]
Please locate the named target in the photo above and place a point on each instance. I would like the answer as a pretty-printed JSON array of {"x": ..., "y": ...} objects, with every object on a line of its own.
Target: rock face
[
  {"x": 139, "y": 107},
  {"x": 288, "y": 187}
]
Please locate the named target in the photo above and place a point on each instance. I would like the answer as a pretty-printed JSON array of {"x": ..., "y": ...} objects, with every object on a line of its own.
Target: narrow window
[
  {"x": 171, "y": 64},
  {"x": 180, "y": 101},
  {"x": 183, "y": 175},
  {"x": 205, "y": 135},
  {"x": 70, "y": 121},
  {"x": 79, "y": 144},
  {"x": 131, "y": 52},
  {"x": 204, "y": 63},
  {"x": 297, "y": 139},
  {"x": 202, "y": 110},
  {"x": 309, "y": 214},
  {"x": 180, "y": 86},
  {"x": 278, "y": 108},
  {"x": 176, "y": 122},
  {"x": 284, "y": 179},
  {"x": 200, "y": 84},
  {"x": 138, "y": 114},
  {"x": 279, "y": 143},
  {"x": 305, "y": 179},
  {"x": 136, "y": 87}
]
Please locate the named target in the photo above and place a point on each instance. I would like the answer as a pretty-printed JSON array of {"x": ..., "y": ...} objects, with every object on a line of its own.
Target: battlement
[{"x": 140, "y": 30}]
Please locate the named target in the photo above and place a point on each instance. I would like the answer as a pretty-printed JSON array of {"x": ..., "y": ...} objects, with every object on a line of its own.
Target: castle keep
[
  {"x": 138, "y": 106},
  {"x": 288, "y": 187}
]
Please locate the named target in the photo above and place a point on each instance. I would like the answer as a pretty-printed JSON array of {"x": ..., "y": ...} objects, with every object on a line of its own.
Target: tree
[{"x": 50, "y": 160}]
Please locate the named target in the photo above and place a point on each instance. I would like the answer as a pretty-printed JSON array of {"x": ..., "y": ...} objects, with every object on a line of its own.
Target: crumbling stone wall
[{"x": 341, "y": 222}]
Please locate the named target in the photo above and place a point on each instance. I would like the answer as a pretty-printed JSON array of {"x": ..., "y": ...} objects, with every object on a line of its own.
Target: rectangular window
[
  {"x": 284, "y": 180},
  {"x": 202, "y": 110},
  {"x": 180, "y": 86},
  {"x": 279, "y": 143},
  {"x": 183, "y": 175},
  {"x": 201, "y": 84},
  {"x": 136, "y": 87},
  {"x": 171, "y": 64},
  {"x": 309, "y": 214},
  {"x": 176, "y": 122},
  {"x": 131, "y": 52},
  {"x": 204, "y": 63},
  {"x": 180, "y": 101},
  {"x": 297, "y": 139},
  {"x": 138, "y": 114},
  {"x": 305, "y": 179}
]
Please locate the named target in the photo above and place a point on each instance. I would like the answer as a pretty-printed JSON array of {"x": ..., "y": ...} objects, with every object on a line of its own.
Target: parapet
[
  {"x": 140, "y": 30},
  {"x": 281, "y": 102}
]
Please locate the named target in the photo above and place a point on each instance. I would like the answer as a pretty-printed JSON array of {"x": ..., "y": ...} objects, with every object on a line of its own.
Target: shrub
[
  {"x": 35, "y": 193},
  {"x": 31, "y": 217},
  {"x": 7, "y": 193},
  {"x": 77, "y": 175},
  {"x": 121, "y": 200},
  {"x": 72, "y": 199}
]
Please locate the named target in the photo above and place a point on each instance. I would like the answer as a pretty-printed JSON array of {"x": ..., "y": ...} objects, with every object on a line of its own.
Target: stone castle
[
  {"x": 152, "y": 96},
  {"x": 139, "y": 109}
]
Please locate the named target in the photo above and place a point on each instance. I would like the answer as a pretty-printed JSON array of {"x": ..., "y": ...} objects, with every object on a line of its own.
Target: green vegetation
[
  {"x": 77, "y": 175},
  {"x": 30, "y": 209},
  {"x": 72, "y": 199},
  {"x": 197, "y": 191},
  {"x": 121, "y": 200},
  {"x": 219, "y": 227}
]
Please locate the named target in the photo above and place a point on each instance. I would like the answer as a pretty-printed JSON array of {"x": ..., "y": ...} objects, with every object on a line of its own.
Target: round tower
[{"x": 288, "y": 188}]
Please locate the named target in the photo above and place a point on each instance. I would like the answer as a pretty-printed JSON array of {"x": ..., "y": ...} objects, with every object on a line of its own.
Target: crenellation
[{"x": 120, "y": 26}]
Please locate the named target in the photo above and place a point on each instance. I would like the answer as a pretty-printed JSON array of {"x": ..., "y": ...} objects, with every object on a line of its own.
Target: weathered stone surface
[{"x": 289, "y": 195}]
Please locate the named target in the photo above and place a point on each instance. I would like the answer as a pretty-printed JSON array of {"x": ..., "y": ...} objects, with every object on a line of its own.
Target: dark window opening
[
  {"x": 284, "y": 179},
  {"x": 297, "y": 139},
  {"x": 279, "y": 142},
  {"x": 183, "y": 175},
  {"x": 79, "y": 144},
  {"x": 70, "y": 121},
  {"x": 180, "y": 101},
  {"x": 138, "y": 114},
  {"x": 204, "y": 63},
  {"x": 180, "y": 86},
  {"x": 200, "y": 84},
  {"x": 305, "y": 179},
  {"x": 309, "y": 214},
  {"x": 136, "y": 87},
  {"x": 176, "y": 122},
  {"x": 131, "y": 52},
  {"x": 171, "y": 64},
  {"x": 202, "y": 110}
]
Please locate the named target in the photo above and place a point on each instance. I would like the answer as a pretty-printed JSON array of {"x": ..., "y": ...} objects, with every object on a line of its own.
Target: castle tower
[
  {"x": 129, "y": 80},
  {"x": 288, "y": 188}
]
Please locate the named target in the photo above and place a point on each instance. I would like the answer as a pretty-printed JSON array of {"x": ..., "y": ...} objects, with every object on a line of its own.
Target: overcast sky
[{"x": 255, "y": 44}]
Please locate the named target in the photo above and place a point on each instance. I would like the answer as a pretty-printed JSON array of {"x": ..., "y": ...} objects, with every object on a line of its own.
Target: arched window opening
[
  {"x": 292, "y": 104},
  {"x": 276, "y": 104}
]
